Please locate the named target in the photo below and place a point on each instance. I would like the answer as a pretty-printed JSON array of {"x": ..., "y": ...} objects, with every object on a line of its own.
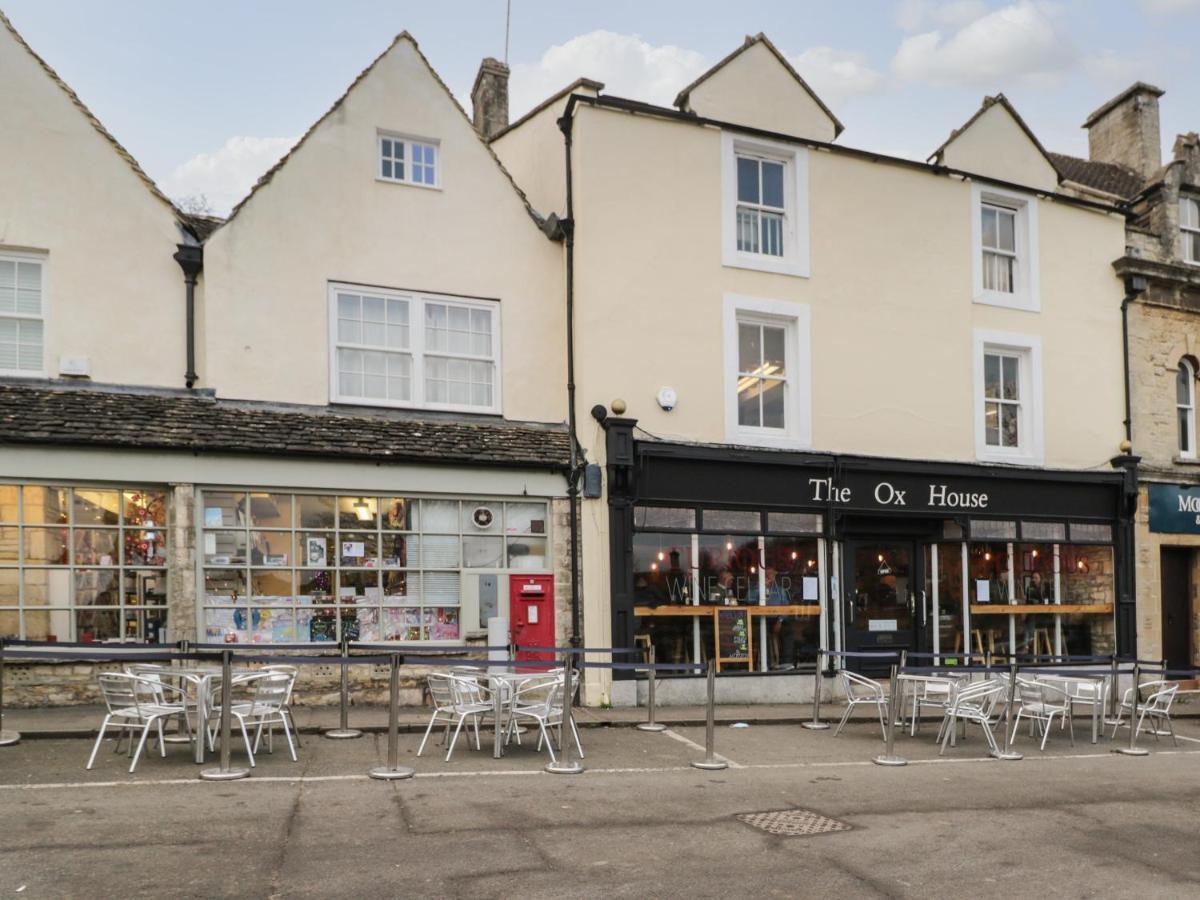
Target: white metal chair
[
  {"x": 862, "y": 691},
  {"x": 294, "y": 672},
  {"x": 159, "y": 675},
  {"x": 971, "y": 702},
  {"x": 928, "y": 693},
  {"x": 441, "y": 695},
  {"x": 1157, "y": 707},
  {"x": 1041, "y": 702},
  {"x": 132, "y": 702},
  {"x": 539, "y": 699},
  {"x": 265, "y": 707},
  {"x": 472, "y": 700}
]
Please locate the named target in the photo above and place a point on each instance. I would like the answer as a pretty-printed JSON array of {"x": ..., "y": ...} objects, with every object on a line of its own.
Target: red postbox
[{"x": 531, "y": 609}]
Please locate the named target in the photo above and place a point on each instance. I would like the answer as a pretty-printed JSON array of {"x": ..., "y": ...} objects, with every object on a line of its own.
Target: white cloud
[
  {"x": 1166, "y": 7},
  {"x": 225, "y": 176},
  {"x": 836, "y": 75},
  {"x": 628, "y": 66},
  {"x": 913, "y": 15},
  {"x": 1017, "y": 41}
]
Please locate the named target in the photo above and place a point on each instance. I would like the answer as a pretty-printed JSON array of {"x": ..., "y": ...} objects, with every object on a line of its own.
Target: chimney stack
[
  {"x": 489, "y": 97},
  {"x": 1125, "y": 130}
]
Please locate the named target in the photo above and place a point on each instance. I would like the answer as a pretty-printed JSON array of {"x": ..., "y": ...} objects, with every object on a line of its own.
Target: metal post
[
  {"x": 563, "y": 765},
  {"x": 1133, "y": 749},
  {"x": 393, "y": 771},
  {"x": 6, "y": 737},
  {"x": 224, "y": 773},
  {"x": 651, "y": 701},
  {"x": 1115, "y": 680},
  {"x": 1007, "y": 753},
  {"x": 710, "y": 761},
  {"x": 180, "y": 735},
  {"x": 889, "y": 757},
  {"x": 344, "y": 731},
  {"x": 816, "y": 724}
]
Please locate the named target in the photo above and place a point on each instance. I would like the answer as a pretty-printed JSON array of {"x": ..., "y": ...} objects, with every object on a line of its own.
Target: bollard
[
  {"x": 180, "y": 734},
  {"x": 393, "y": 771},
  {"x": 1133, "y": 749},
  {"x": 344, "y": 731},
  {"x": 6, "y": 737},
  {"x": 224, "y": 773},
  {"x": 816, "y": 724},
  {"x": 889, "y": 757},
  {"x": 1008, "y": 753},
  {"x": 563, "y": 765},
  {"x": 1114, "y": 681},
  {"x": 651, "y": 702},
  {"x": 710, "y": 761}
]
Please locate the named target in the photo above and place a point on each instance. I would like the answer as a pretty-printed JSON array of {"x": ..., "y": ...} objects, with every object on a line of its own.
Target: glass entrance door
[{"x": 883, "y": 596}]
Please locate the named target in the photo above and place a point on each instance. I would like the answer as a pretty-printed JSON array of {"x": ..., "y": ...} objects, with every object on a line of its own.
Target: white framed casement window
[
  {"x": 1008, "y": 397},
  {"x": 1004, "y": 247},
  {"x": 1185, "y": 408},
  {"x": 768, "y": 372},
  {"x": 1189, "y": 229},
  {"x": 764, "y": 205},
  {"x": 408, "y": 160},
  {"x": 416, "y": 350},
  {"x": 22, "y": 314}
]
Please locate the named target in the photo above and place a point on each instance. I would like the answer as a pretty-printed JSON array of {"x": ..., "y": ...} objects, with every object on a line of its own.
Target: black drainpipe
[
  {"x": 1134, "y": 286},
  {"x": 191, "y": 259},
  {"x": 577, "y": 464}
]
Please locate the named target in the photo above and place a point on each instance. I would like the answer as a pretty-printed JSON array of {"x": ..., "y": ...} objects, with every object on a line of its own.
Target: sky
[{"x": 208, "y": 95}]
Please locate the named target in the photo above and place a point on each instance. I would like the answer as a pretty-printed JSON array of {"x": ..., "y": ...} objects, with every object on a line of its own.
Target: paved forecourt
[{"x": 640, "y": 821}]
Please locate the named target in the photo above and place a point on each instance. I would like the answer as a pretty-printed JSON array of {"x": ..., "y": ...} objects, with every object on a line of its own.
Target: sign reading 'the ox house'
[{"x": 1174, "y": 509}]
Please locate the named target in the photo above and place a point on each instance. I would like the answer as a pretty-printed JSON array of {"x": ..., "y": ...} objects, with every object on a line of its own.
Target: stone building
[{"x": 1161, "y": 272}]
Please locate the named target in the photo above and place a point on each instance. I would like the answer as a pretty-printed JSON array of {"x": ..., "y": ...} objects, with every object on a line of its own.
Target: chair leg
[
  {"x": 579, "y": 746},
  {"x": 845, "y": 716},
  {"x": 140, "y": 746},
  {"x": 99, "y": 740},
  {"x": 546, "y": 737},
  {"x": 428, "y": 729},
  {"x": 1046, "y": 730},
  {"x": 1071, "y": 725},
  {"x": 454, "y": 740},
  {"x": 287, "y": 733},
  {"x": 162, "y": 744},
  {"x": 882, "y": 726},
  {"x": 246, "y": 741}
]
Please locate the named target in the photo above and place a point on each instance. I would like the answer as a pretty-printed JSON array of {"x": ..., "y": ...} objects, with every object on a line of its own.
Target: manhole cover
[{"x": 793, "y": 822}]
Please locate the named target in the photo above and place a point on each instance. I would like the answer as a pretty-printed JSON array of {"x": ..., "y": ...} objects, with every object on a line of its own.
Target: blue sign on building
[{"x": 1175, "y": 509}]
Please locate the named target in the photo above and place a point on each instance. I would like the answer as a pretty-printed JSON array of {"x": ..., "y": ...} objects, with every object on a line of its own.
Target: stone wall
[{"x": 1159, "y": 337}]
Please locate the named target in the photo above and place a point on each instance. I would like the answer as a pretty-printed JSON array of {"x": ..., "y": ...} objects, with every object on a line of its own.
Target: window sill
[
  {"x": 1186, "y": 460},
  {"x": 412, "y": 184},
  {"x": 1008, "y": 301},
  {"x": 773, "y": 265},
  {"x": 1012, "y": 459},
  {"x": 776, "y": 442},
  {"x": 366, "y": 403}
]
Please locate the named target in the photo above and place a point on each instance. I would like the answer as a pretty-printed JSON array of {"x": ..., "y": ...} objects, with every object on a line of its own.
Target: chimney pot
[{"x": 489, "y": 97}]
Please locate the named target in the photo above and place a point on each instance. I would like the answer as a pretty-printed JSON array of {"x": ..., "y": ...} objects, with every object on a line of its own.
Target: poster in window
[{"x": 314, "y": 551}]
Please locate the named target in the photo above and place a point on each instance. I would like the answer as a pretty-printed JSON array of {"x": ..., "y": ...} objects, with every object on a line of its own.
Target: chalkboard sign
[{"x": 733, "y": 635}]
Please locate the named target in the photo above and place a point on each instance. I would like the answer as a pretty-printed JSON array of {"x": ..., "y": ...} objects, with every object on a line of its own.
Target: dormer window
[
  {"x": 1189, "y": 227},
  {"x": 408, "y": 160}
]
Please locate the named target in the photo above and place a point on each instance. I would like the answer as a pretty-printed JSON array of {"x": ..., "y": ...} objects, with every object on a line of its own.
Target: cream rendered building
[
  {"x": 843, "y": 401},
  {"x": 337, "y": 414}
]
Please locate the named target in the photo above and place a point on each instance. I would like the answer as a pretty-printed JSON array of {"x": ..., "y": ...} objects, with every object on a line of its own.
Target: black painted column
[{"x": 1126, "y": 559}]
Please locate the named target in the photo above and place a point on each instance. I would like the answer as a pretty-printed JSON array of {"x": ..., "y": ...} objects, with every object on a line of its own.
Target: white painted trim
[
  {"x": 796, "y": 259},
  {"x": 1027, "y": 296},
  {"x": 408, "y": 139},
  {"x": 43, "y": 259},
  {"x": 416, "y": 326},
  {"x": 798, "y": 434},
  {"x": 1029, "y": 347}
]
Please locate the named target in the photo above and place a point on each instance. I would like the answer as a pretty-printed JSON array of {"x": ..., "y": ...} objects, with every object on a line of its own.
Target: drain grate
[{"x": 793, "y": 822}]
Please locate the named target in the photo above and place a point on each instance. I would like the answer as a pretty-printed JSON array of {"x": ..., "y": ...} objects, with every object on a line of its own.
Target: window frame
[
  {"x": 795, "y": 318},
  {"x": 30, "y": 256},
  {"x": 1025, "y": 294},
  {"x": 1185, "y": 365},
  {"x": 1028, "y": 350},
  {"x": 795, "y": 259},
  {"x": 408, "y": 141},
  {"x": 416, "y": 350},
  {"x": 1189, "y": 231}
]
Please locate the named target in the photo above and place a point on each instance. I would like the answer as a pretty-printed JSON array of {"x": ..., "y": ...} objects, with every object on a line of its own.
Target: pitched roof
[
  {"x": 95, "y": 123},
  {"x": 1103, "y": 176},
  {"x": 266, "y": 177},
  {"x": 988, "y": 103},
  {"x": 760, "y": 38},
  {"x": 89, "y": 416}
]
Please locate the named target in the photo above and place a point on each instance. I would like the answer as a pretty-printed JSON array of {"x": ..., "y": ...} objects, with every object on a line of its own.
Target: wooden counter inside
[{"x": 1042, "y": 609}]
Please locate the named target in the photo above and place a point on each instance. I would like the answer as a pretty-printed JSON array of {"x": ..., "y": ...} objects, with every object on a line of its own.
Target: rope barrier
[
  {"x": 14, "y": 642},
  {"x": 422, "y": 651},
  {"x": 240, "y": 648},
  {"x": 99, "y": 656},
  {"x": 577, "y": 650},
  {"x": 864, "y": 654}
]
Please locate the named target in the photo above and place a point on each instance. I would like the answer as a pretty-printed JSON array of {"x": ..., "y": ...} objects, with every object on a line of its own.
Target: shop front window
[
  {"x": 989, "y": 591},
  {"x": 311, "y": 567},
  {"x": 792, "y": 581},
  {"x": 1089, "y": 589},
  {"x": 82, "y": 563},
  {"x": 1033, "y": 575}
]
